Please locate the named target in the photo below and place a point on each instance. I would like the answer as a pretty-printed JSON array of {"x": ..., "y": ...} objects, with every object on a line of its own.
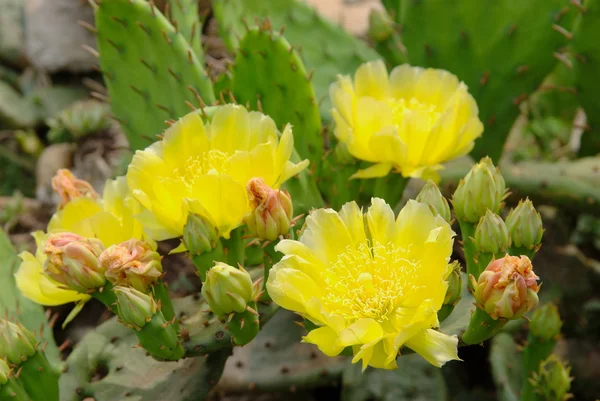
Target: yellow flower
[
  {"x": 110, "y": 220},
  {"x": 369, "y": 281},
  {"x": 204, "y": 168},
  {"x": 412, "y": 120}
]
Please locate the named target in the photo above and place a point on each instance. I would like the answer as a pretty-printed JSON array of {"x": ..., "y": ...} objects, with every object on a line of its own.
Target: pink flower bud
[
  {"x": 272, "y": 210},
  {"x": 132, "y": 263},
  {"x": 72, "y": 260},
  {"x": 507, "y": 288},
  {"x": 69, "y": 187}
]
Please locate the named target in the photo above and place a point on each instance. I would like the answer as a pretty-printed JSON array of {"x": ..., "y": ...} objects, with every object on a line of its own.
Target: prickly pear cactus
[
  {"x": 108, "y": 366},
  {"x": 185, "y": 19},
  {"x": 325, "y": 48},
  {"x": 149, "y": 68},
  {"x": 13, "y": 305},
  {"x": 269, "y": 74},
  {"x": 415, "y": 379},
  {"x": 506, "y": 369},
  {"x": 502, "y": 50},
  {"x": 586, "y": 65},
  {"x": 276, "y": 360}
]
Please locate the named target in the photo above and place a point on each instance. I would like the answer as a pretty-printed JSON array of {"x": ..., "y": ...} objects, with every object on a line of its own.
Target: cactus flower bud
[
  {"x": 482, "y": 188},
  {"x": 431, "y": 196},
  {"x": 132, "y": 263},
  {"x": 454, "y": 291},
  {"x": 507, "y": 288},
  {"x": 491, "y": 234},
  {"x": 545, "y": 323},
  {"x": 4, "y": 372},
  {"x": 381, "y": 26},
  {"x": 553, "y": 381},
  {"x": 199, "y": 235},
  {"x": 227, "y": 289},
  {"x": 134, "y": 307},
  {"x": 525, "y": 225},
  {"x": 272, "y": 210},
  {"x": 72, "y": 260},
  {"x": 69, "y": 187},
  {"x": 16, "y": 342}
]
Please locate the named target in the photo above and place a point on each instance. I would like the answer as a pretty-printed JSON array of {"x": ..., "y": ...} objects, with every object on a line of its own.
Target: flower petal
[
  {"x": 325, "y": 338},
  {"x": 374, "y": 171},
  {"x": 435, "y": 347}
]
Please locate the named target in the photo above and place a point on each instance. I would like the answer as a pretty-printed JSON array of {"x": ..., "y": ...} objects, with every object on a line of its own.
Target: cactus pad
[
  {"x": 149, "y": 68},
  {"x": 185, "y": 18},
  {"x": 502, "y": 50},
  {"x": 324, "y": 47}
]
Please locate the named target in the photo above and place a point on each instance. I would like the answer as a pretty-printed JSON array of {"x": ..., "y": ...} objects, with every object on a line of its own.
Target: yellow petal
[
  {"x": 185, "y": 140},
  {"x": 403, "y": 81},
  {"x": 342, "y": 96},
  {"x": 371, "y": 79},
  {"x": 388, "y": 145},
  {"x": 325, "y": 338},
  {"x": 381, "y": 222},
  {"x": 362, "y": 331},
  {"x": 291, "y": 289},
  {"x": 74, "y": 217},
  {"x": 321, "y": 225},
  {"x": 435, "y": 347},
  {"x": 374, "y": 171},
  {"x": 229, "y": 128},
  {"x": 352, "y": 217}
]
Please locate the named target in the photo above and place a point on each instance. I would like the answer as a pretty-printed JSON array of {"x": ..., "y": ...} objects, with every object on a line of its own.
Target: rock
[
  {"x": 15, "y": 110},
  {"x": 12, "y": 32},
  {"x": 54, "y": 37},
  {"x": 53, "y": 158}
]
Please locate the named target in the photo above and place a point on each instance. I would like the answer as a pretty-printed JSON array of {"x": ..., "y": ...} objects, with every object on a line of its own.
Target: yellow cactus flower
[
  {"x": 110, "y": 220},
  {"x": 204, "y": 168},
  {"x": 370, "y": 282},
  {"x": 36, "y": 285},
  {"x": 410, "y": 121}
]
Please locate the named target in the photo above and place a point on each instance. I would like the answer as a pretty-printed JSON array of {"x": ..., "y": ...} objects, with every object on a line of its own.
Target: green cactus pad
[
  {"x": 502, "y": 50},
  {"x": 505, "y": 372},
  {"x": 269, "y": 75},
  {"x": 324, "y": 47},
  {"x": 184, "y": 16},
  {"x": 107, "y": 366},
  {"x": 149, "y": 68},
  {"x": 586, "y": 65}
]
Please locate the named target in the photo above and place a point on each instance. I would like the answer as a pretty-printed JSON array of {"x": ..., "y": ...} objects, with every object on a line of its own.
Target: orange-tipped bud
[
  {"x": 132, "y": 263},
  {"x": 507, "y": 288},
  {"x": 272, "y": 210},
  {"x": 69, "y": 187},
  {"x": 72, "y": 260}
]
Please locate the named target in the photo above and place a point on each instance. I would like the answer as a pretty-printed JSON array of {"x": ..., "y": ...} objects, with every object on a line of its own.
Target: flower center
[
  {"x": 401, "y": 107},
  {"x": 212, "y": 161},
  {"x": 369, "y": 282}
]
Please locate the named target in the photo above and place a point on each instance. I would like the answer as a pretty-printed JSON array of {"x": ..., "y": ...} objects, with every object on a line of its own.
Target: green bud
[
  {"x": 545, "y": 322},
  {"x": 72, "y": 260},
  {"x": 491, "y": 234},
  {"x": 16, "y": 342},
  {"x": 132, "y": 263},
  {"x": 454, "y": 291},
  {"x": 482, "y": 188},
  {"x": 227, "y": 289},
  {"x": 272, "y": 210},
  {"x": 4, "y": 372},
  {"x": 553, "y": 381},
  {"x": 525, "y": 225},
  {"x": 199, "y": 235},
  {"x": 431, "y": 196},
  {"x": 381, "y": 26},
  {"x": 134, "y": 307}
]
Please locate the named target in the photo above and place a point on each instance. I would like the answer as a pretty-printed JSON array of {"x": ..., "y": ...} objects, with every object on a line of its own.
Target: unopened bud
[
  {"x": 4, "y": 372},
  {"x": 454, "y": 291},
  {"x": 553, "y": 381},
  {"x": 545, "y": 323},
  {"x": 491, "y": 234},
  {"x": 431, "y": 196},
  {"x": 199, "y": 235},
  {"x": 16, "y": 342},
  {"x": 227, "y": 289},
  {"x": 134, "y": 307},
  {"x": 69, "y": 187},
  {"x": 132, "y": 263},
  {"x": 381, "y": 26},
  {"x": 525, "y": 225},
  {"x": 507, "y": 288},
  {"x": 482, "y": 188},
  {"x": 73, "y": 260},
  {"x": 272, "y": 210}
]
